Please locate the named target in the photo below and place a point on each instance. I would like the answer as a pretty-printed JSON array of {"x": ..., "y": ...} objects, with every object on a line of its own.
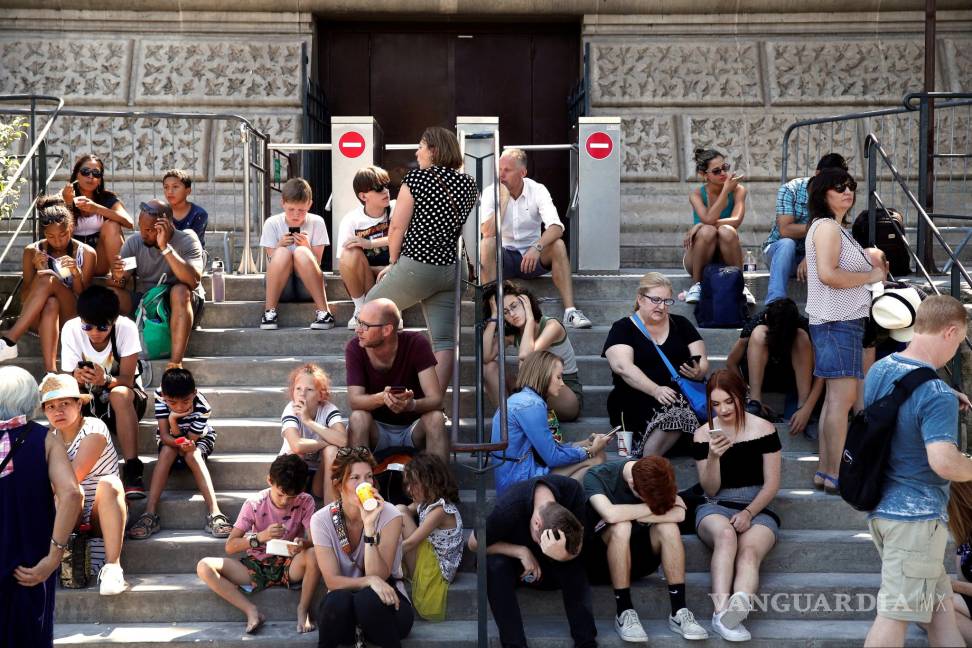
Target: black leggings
[{"x": 383, "y": 625}]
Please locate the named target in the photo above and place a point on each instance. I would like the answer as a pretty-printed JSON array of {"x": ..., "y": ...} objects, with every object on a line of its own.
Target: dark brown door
[{"x": 412, "y": 75}]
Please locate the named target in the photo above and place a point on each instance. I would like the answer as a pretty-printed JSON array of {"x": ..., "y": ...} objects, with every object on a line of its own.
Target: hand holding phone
[
  {"x": 398, "y": 389},
  {"x": 613, "y": 432},
  {"x": 695, "y": 360}
]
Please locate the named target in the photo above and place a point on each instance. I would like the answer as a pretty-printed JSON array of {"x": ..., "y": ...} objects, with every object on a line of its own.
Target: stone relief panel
[
  {"x": 959, "y": 55},
  {"x": 79, "y": 70},
  {"x": 649, "y": 148},
  {"x": 843, "y": 72},
  {"x": 666, "y": 74},
  {"x": 229, "y": 151},
  {"x": 256, "y": 73}
]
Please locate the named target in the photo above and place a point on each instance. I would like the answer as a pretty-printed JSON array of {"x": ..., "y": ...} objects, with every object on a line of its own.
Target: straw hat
[
  {"x": 894, "y": 310},
  {"x": 55, "y": 386}
]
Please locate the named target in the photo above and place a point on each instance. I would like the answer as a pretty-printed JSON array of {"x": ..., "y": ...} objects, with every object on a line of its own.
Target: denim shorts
[{"x": 838, "y": 349}]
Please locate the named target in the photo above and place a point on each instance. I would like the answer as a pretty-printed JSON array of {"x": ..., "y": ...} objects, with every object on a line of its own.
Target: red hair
[
  {"x": 731, "y": 383},
  {"x": 321, "y": 380},
  {"x": 654, "y": 482}
]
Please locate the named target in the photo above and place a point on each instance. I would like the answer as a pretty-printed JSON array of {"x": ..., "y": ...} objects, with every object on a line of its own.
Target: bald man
[
  {"x": 160, "y": 249},
  {"x": 393, "y": 392},
  {"x": 527, "y": 252}
]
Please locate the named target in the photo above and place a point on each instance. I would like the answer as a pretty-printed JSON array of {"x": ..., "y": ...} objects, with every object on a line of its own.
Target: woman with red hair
[{"x": 739, "y": 458}]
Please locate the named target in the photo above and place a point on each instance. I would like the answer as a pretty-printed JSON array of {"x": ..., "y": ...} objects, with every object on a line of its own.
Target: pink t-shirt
[{"x": 260, "y": 512}]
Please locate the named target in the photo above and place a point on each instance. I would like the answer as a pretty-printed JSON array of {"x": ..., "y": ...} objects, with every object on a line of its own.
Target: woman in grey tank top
[
  {"x": 529, "y": 330},
  {"x": 838, "y": 304}
]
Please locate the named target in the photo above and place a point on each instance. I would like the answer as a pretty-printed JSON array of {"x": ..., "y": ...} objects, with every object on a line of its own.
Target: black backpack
[
  {"x": 865, "y": 458},
  {"x": 889, "y": 238},
  {"x": 390, "y": 473},
  {"x": 722, "y": 304}
]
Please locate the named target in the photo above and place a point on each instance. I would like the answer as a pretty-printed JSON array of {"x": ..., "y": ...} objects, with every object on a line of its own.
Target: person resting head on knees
[
  {"x": 274, "y": 529},
  {"x": 535, "y": 440},
  {"x": 294, "y": 242},
  {"x": 529, "y": 330},
  {"x": 718, "y": 207},
  {"x": 99, "y": 214},
  {"x": 55, "y": 271},
  {"x": 358, "y": 543},
  {"x": 95, "y": 465},
  {"x": 362, "y": 241},
  {"x": 633, "y": 513},
  {"x": 312, "y": 428},
  {"x": 738, "y": 457}
]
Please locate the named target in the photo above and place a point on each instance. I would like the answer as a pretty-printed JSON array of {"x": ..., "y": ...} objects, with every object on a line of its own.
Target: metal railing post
[
  {"x": 923, "y": 240},
  {"x": 871, "y": 192},
  {"x": 247, "y": 266}
]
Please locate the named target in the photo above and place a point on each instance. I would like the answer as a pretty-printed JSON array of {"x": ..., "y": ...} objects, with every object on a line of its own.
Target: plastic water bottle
[
  {"x": 749, "y": 263},
  {"x": 219, "y": 282}
]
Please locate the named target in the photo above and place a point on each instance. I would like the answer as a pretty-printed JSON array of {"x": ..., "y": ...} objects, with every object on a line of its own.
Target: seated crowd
[{"x": 565, "y": 516}]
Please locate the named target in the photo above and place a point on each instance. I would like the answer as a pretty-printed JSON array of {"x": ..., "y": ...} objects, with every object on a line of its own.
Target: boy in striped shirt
[{"x": 184, "y": 437}]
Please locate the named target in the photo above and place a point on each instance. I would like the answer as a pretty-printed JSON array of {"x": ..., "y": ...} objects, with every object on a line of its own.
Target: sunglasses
[
  {"x": 657, "y": 301},
  {"x": 103, "y": 328},
  {"x": 361, "y": 452},
  {"x": 91, "y": 173},
  {"x": 379, "y": 188},
  {"x": 720, "y": 169},
  {"x": 150, "y": 210},
  {"x": 844, "y": 186}
]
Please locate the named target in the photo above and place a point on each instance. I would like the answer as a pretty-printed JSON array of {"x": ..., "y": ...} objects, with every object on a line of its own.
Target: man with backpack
[
  {"x": 908, "y": 525},
  {"x": 159, "y": 250}
]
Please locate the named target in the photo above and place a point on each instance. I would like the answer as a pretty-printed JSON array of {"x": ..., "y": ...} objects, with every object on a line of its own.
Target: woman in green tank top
[{"x": 529, "y": 330}]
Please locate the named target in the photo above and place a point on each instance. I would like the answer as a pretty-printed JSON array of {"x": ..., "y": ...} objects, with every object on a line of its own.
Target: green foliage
[{"x": 10, "y": 133}]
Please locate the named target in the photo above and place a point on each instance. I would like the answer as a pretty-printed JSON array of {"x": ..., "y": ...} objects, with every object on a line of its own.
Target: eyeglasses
[
  {"x": 844, "y": 186},
  {"x": 379, "y": 188},
  {"x": 366, "y": 325},
  {"x": 104, "y": 328},
  {"x": 657, "y": 301},
  {"x": 719, "y": 170},
  {"x": 91, "y": 173},
  {"x": 515, "y": 306}
]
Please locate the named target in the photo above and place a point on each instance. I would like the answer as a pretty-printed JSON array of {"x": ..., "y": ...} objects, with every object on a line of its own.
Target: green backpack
[{"x": 152, "y": 320}]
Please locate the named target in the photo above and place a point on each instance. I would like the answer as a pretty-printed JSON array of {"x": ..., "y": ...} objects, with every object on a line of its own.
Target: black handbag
[{"x": 76, "y": 559}]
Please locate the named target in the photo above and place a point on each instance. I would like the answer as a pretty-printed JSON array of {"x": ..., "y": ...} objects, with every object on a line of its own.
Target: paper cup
[
  {"x": 624, "y": 443},
  {"x": 366, "y": 495}
]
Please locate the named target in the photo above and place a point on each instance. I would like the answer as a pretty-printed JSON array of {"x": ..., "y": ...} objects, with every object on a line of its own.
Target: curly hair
[
  {"x": 654, "y": 482},
  {"x": 321, "y": 380},
  {"x": 347, "y": 457},
  {"x": 289, "y": 472},
  {"x": 434, "y": 476},
  {"x": 510, "y": 289}
]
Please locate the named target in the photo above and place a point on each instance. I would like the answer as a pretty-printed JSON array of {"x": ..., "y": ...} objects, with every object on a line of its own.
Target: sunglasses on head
[
  {"x": 91, "y": 173},
  {"x": 721, "y": 169},
  {"x": 151, "y": 210},
  {"x": 844, "y": 186},
  {"x": 104, "y": 328},
  {"x": 361, "y": 451}
]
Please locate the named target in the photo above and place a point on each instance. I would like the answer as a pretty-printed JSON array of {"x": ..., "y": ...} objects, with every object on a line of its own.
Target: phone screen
[
  {"x": 614, "y": 431},
  {"x": 397, "y": 389},
  {"x": 293, "y": 230}
]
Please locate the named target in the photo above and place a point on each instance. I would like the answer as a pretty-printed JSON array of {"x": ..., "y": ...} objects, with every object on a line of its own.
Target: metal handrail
[
  {"x": 909, "y": 98},
  {"x": 23, "y": 219},
  {"x": 38, "y": 139}
]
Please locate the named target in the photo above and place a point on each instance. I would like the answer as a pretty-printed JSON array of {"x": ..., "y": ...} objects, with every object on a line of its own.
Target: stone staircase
[{"x": 818, "y": 582}]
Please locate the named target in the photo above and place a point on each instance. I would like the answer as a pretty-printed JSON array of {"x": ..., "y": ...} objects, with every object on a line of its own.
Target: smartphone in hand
[{"x": 293, "y": 230}]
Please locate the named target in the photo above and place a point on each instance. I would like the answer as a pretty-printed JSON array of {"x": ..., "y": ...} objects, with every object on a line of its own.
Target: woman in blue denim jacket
[{"x": 535, "y": 445}]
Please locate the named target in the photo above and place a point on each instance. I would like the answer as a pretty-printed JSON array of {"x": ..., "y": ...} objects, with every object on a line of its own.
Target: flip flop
[
  {"x": 823, "y": 479},
  {"x": 255, "y": 628},
  {"x": 831, "y": 485}
]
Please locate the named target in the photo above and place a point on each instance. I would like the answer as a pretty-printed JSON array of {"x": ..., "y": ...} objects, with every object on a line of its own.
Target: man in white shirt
[{"x": 527, "y": 253}]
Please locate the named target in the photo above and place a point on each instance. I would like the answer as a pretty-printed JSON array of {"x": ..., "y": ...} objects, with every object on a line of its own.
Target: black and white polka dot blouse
[{"x": 437, "y": 219}]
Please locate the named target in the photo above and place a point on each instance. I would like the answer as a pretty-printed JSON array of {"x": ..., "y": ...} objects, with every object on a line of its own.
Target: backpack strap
[{"x": 907, "y": 384}]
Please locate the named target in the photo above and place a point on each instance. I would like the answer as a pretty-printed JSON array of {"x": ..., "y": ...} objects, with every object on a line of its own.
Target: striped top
[
  {"x": 196, "y": 422},
  {"x": 105, "y": 466},
  {"x": 826, "y": 304},
  {"x": 327, "y": 415}
]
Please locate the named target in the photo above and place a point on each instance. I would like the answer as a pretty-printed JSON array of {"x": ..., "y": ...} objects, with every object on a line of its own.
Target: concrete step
[
  {"x": 781, "y": 596},
  {"x": 258, "y": 434},
  {"x": 800, "y": 508},
  {"x": 544, "y": 632},
  {"x": 798, "y": 550}
]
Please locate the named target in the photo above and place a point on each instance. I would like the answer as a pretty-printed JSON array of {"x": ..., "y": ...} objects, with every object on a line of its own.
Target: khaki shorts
[{"x": 914, "y": 584}]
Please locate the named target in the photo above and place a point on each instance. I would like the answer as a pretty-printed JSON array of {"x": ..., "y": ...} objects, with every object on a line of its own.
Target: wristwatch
[
  {"x": 372, "y": 540},
  {"x": 254, "y": 541},
  {"x": 538, "y": 246}
]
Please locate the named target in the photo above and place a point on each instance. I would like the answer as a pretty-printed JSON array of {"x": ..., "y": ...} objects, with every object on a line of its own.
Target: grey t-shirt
[{"x": 152, "y": 265}]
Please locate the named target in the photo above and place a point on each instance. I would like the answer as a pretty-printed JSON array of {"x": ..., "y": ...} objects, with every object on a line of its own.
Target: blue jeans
[{"x": 783, "y": 262}]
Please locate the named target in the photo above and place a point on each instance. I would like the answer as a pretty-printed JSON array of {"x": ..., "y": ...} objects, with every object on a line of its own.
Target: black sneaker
[
  {"x": 754, "y": 407},
  {"x": 324, "y": 321},
  {"x": 269, "y": 321},
  {"x": 132, "y": 479}
]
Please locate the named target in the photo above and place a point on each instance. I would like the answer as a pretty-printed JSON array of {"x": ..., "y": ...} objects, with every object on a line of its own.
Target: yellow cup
[{"x": 366, "y": 495}]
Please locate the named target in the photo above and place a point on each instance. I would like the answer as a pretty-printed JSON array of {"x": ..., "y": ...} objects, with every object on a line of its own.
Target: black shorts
[
  {"x": 778, "y": 377},
  {"x": 644, "y": 561}
]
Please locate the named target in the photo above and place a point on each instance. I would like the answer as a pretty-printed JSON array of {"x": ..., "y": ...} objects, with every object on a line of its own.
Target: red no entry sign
[
  {"x": 351, "y": 144},
  {"x": 599, "y": 145}
]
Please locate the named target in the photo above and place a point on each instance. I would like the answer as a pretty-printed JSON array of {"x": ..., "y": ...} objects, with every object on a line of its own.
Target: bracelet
[
  {"x": 168, "y": 250},
  {"x": 62, "y": 547},
  {"x": 751, "y": 516},
  {"x": 587, "y": 449}
]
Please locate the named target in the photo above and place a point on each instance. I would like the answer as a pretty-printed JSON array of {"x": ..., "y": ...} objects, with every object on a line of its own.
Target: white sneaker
[
  {"x": 629, "y": 627},
  {"x": 7, "y": 352},
  {"x": 737, "y": 610},
  {"x": 739, "y": 633},
  {"x": 574, "y": 318},
  {"x": 684, "y": 623},
  {"x": 749, "y": 296},
  {"x": 353, "y": 322},
  {"x": 694, "y": 294},
  {"x": 112, "y": 580}
]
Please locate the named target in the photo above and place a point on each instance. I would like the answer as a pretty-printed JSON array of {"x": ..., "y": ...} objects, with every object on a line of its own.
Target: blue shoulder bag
[{"x": 693, "y": 390}]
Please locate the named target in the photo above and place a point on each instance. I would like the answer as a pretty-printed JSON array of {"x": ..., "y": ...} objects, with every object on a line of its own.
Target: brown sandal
[{"x": 147, "y": 525}]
